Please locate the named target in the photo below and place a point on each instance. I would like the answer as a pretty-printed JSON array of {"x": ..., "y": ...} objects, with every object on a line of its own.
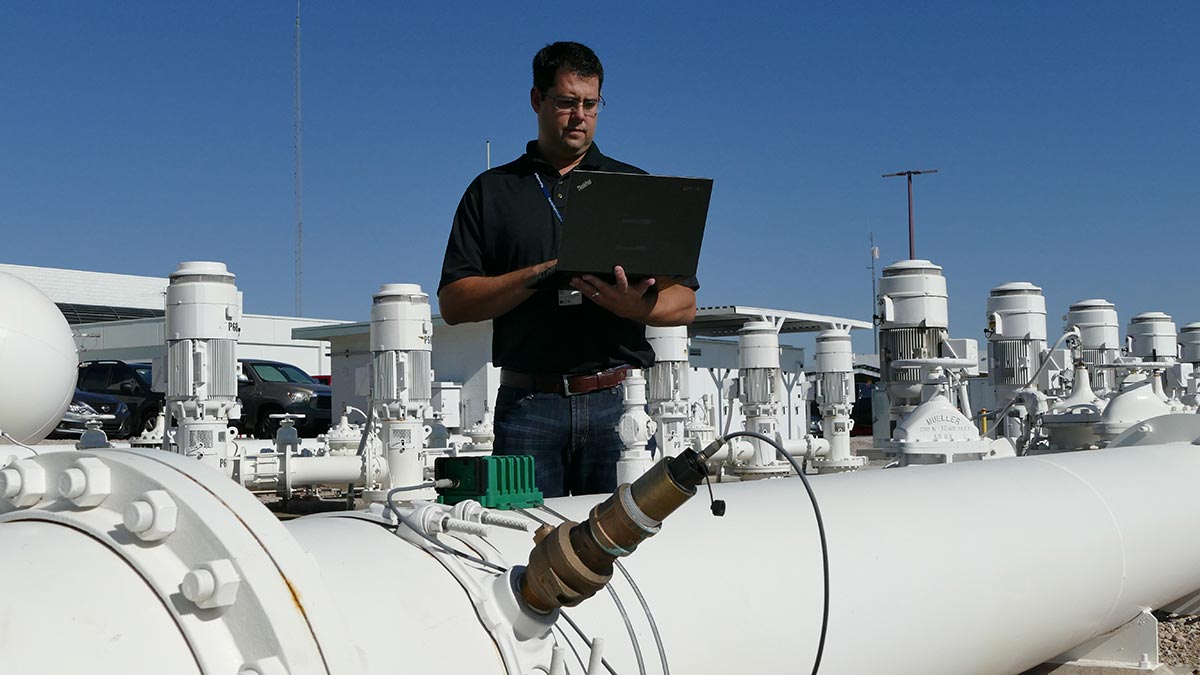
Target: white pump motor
[
  {"x": 1016, "y": 333},
  {"x": 203, "y": 316},
  {"x": 835, "y": 396},
  {"x": 1152, "y": 337},
  {"x": 1099, "y": 338},
  {"x": 402, "y": 384},
  {"x": 759, "y": 385},
  {"x": 914, "y": 317},
  {"x": 668, "y": 387}
]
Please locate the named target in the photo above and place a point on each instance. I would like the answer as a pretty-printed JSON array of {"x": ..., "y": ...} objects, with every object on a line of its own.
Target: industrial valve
[{"x": 572, "y": 562}]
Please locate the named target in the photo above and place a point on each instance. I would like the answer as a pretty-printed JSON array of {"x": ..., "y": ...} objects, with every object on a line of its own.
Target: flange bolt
[
  {"x": 87, "y": 483},
  {"x": 212, "y": 584},
  {"x": 23, "y": 483},
  {"x": 152, "y": 516}
]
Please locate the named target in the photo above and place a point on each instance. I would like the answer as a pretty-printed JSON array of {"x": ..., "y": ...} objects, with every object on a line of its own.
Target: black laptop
[{"x": 649, "y": 225}]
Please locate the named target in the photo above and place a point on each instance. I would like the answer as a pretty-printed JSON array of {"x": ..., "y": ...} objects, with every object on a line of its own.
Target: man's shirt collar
[{"x": 592, "y": 159}]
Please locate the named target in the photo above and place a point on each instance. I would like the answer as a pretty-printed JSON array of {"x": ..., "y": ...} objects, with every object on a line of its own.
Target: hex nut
[
  {"x": 151, "y": 516},
  {"x": 268, "y": 666},
  {"x": 23, "y": 483},
  {"x": 10, "y": 483},
  {"x": 211, "y": 584},
  {"x": 87, "y": 483}
]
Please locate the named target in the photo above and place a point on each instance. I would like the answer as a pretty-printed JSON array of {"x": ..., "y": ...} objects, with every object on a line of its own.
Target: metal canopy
[
  {"x": 76, "y": 313},
  {"x": 728, "y": 319}
]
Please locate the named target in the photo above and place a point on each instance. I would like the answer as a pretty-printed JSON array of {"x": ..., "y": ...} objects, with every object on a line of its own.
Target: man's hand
[
  {"x": 626, "y": 300},
  {"x": 483, "y": 298}
]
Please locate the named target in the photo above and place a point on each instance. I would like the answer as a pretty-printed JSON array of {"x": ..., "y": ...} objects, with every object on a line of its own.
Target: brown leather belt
[{"x": 567, "y": 385}]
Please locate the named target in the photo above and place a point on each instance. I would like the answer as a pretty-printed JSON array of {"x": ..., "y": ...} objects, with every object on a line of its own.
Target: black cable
[
  {"x": 820, "y": 528},
  {"x": 658, "y": 642}
]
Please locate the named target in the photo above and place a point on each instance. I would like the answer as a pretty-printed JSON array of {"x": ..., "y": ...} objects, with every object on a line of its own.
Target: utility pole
[
  {"x": 912, "y": 247},
  {"x": 299, "y": 180},
  {"x": 874, "y": 308}
]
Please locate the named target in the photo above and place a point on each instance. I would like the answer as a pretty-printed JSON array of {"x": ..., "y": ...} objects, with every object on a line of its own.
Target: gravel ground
[{"x": 1179, "y": 642}]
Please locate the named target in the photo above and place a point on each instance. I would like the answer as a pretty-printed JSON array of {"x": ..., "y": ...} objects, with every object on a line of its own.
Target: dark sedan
[{"x": 86, "y": 404}]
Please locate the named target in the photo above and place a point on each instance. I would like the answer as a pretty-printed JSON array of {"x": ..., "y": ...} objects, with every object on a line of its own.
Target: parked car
[
  {"x": 268, "y": 388},
  {"x": 85, "y": 404},
  {"x": 129, "y": 382}
]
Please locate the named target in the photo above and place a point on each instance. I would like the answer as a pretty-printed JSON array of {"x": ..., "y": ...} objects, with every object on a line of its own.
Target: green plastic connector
[{"x": 496, "y": 482}]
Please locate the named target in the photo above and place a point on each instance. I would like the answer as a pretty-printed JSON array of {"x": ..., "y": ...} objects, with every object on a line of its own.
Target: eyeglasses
[{"x": 590, "y": 106}]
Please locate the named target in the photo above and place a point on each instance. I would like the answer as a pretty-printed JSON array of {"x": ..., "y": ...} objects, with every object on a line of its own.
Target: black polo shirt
[{"x": 504, "y": 223}]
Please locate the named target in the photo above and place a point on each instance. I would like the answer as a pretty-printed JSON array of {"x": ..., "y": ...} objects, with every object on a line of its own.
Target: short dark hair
[{"x": 577, "y": 58}]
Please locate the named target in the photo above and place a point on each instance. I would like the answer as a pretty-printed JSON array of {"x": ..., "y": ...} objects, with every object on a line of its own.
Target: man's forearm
[
  {"x": 674, "y": 306},
  {"x": 483, "y": 298}
]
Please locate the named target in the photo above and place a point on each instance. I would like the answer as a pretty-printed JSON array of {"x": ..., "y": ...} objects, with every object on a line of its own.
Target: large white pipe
[{"x": 981, "y": 567}]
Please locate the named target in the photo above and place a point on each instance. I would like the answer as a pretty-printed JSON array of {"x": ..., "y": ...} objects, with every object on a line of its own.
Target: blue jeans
[{"x": 573, "y": 439}]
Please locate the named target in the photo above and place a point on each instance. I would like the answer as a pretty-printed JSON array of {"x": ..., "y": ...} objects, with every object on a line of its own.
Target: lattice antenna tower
[{"x": 299, "y": 144}]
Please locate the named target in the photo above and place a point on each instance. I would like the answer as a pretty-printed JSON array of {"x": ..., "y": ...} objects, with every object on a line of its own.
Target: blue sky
[{"x": 134, "y": 135}]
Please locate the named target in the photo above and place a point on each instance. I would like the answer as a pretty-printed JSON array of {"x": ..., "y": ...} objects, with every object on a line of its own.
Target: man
[{"x": 561, "y": 366}]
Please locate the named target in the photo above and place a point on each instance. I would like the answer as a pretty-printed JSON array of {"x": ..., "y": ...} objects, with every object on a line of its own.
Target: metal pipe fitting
[{"x": 573, "y": 561}]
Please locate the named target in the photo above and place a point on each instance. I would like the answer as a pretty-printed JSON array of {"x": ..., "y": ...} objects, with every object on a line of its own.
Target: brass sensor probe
[{"x": 571, "y": 562}]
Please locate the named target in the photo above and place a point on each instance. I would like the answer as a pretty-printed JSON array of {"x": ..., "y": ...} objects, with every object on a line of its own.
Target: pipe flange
[{"x": 235, "y": 562}]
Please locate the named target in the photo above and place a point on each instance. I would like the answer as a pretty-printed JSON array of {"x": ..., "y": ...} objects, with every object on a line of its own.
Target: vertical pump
[
  {"x": 402, "y": 384},
  {"x": 835, "y": 396},
  {"x": 760, "y": 382},
  {"x": 914, "y": 319},
  {"x": 668, "y": 387},
  {"x": 203, "y": 315},
  {"x": 1099, "y": 338},
  {"x": 1016, "y": 333}
]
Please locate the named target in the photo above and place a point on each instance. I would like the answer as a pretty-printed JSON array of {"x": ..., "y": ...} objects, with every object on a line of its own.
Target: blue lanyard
[{"x": 548, "y": 199}]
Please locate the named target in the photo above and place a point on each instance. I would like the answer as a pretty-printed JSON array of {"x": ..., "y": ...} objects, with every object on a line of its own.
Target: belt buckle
[{"x": 566, "y": 382}]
